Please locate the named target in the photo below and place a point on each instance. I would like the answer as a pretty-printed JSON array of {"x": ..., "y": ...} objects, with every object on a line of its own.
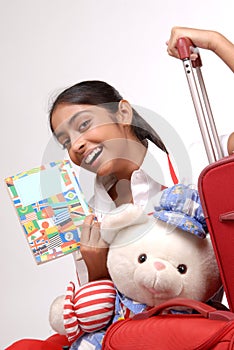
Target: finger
[
  {"x": 89, "y": 220},
  {"x": 193, "y": 56},
  {"x": 95, "y": 237},
  {"x": 94, "y": 234},
  {"x": 173, "y": 52},
  {"x": 86, "y": 229},
  {"x": 102, "y": 243}
]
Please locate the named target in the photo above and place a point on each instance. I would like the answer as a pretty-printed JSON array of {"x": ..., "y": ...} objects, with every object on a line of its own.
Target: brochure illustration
[{"x": 51, "y": 208}]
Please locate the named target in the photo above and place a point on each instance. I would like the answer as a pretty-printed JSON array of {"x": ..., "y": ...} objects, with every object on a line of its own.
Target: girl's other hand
[{"x": 204, "y": 39}]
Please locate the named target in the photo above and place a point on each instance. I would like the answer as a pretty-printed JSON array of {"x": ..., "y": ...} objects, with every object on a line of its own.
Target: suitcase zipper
[{"x": 213, "y": 341}]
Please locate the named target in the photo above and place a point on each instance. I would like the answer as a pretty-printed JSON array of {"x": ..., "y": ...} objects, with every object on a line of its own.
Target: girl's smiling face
[{"x": 96, "y": 139}]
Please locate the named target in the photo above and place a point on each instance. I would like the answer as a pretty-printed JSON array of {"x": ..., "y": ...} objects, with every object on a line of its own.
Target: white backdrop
[{"x": 49, "y": 45}]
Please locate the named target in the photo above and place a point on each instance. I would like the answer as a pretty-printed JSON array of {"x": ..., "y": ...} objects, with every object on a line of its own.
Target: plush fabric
[
  {"x": 180, "y": 206},
  {"x": 89, "y": 309}
]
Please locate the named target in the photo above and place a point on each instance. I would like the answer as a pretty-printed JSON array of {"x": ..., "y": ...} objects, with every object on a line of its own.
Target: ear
[
  {"x": 126, "y": 215},
  {"x": 125, "y": 113}
]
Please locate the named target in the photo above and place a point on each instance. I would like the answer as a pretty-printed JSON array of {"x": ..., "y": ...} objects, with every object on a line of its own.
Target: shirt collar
[{"x": 155, "y": 165}]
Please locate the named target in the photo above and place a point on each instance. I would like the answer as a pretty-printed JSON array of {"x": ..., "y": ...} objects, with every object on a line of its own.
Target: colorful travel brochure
[{"x": 51, "y": 208}]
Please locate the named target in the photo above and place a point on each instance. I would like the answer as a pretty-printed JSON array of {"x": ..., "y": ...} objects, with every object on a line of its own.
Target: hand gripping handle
[
  {"x": 185, "y": 48},
  {"x": 205, "y": 310},
  {"x": 190, "y": 56}
]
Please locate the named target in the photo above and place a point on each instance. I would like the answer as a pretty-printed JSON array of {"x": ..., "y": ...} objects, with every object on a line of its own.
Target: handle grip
[
  {"x": 203, "y": 309},
  {"x": 185, "y": 48},
  {"x": 226, "y": 216}
]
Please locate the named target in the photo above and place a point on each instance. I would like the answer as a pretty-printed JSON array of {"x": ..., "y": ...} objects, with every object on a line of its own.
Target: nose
[
  {"x": 78, "y": 144},
  {"x": 159, "y": 266}
]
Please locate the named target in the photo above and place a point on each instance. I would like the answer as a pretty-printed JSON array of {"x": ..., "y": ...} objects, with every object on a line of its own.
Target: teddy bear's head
[{"x": 153, "y": 258}]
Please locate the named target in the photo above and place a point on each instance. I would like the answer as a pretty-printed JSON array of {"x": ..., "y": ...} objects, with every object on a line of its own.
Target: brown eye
[
  {"x": 84, "y": 126},
  {"x": 142, "y": 258},
  {"x": 182, "y": 269},
  {"x": 66, "y": 144}
]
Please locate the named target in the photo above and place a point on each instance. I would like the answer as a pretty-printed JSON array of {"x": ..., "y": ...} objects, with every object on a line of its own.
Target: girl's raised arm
[{"x": 205, "y": 39}]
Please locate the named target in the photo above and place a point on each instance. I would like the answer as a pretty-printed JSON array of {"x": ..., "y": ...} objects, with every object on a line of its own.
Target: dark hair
[{"x": 95, "y": 92}]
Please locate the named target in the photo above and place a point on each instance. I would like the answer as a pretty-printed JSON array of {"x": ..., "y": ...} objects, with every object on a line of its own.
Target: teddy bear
[{"x": 151, "y": 259}]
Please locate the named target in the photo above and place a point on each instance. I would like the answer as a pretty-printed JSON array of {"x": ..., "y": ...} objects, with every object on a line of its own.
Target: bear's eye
[
  {"x": 142, "y": 258},
  {"x": 182, "y": 269}
]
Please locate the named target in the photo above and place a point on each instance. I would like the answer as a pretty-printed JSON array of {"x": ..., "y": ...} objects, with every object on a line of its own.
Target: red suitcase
[
  {"x": 216, "y": 189},
  {"x": 216, "y": 181},
  {"x": 155, "y": 329}
]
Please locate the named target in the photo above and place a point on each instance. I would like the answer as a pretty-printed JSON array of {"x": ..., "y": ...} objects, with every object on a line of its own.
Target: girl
[{"x": 104, "y": 134}]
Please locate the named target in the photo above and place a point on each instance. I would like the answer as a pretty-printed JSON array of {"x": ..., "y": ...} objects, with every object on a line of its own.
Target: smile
[{"x": 93, "y": 155}]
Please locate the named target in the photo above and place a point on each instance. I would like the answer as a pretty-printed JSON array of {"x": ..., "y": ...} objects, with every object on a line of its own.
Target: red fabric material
[
  {"x": 55, "y": 342},
  {"x": 172, "y": 171},
  {"x": 215, "y": 187},
  {"x": 153, "y": 329},
  {"x": 99, "y": 297}
]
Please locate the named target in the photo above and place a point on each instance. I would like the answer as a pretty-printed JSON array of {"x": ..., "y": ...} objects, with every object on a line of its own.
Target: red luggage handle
[
  {"x": 200, "y": 99},
  {"x": 204, "y": 310},
  {"x": 185, "y": 48}
]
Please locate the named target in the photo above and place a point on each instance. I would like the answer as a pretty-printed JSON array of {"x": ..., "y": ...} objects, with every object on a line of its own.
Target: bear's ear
[{"x": 120, "y": 218}]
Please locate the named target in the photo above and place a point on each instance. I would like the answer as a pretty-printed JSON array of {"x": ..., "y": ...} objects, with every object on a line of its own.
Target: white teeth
[{"x": 92, "y": 155}]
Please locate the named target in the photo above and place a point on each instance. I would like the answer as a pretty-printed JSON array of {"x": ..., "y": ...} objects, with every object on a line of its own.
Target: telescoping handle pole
[{"x": 200, "y": 98}]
